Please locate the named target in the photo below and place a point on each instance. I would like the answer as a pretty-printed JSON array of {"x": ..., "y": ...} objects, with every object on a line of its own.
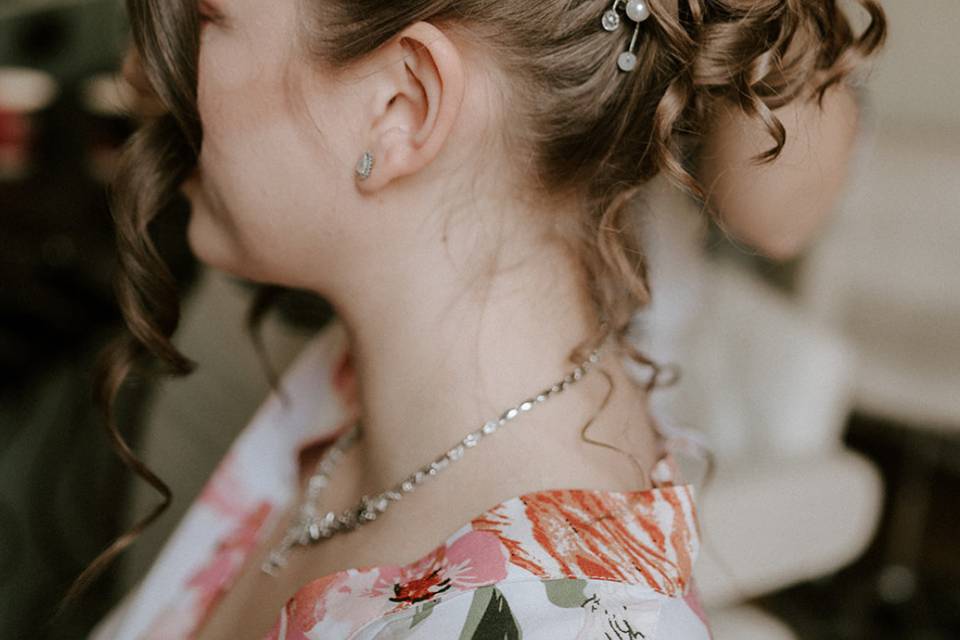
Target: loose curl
[{"x": 593, "y": 133}]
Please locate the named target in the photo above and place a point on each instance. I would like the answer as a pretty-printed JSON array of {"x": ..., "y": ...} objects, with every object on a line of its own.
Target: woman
[{"x": 456, "y": 178}]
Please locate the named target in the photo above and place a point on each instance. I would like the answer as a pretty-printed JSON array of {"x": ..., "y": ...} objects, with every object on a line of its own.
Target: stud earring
[{"x": 365, "y": 165}]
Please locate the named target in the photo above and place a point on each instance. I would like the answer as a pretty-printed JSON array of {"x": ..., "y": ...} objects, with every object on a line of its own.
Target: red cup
[{"x": 24, "y": 93}]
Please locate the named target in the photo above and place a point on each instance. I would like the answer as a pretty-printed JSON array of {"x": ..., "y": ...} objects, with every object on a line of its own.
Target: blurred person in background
[{"x": 456, "y": 179}]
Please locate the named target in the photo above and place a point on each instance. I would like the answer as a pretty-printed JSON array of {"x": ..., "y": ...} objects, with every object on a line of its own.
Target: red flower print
[
  {"x": 420, "y": 589},
  {"x": 474, "y": 559}
]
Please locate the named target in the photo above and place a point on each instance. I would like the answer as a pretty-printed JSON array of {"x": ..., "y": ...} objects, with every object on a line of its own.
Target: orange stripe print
[{"x": 630, "y": 537}]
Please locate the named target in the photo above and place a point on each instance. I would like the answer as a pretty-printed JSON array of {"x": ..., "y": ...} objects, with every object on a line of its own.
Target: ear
[{"x": 417, "y": 99}]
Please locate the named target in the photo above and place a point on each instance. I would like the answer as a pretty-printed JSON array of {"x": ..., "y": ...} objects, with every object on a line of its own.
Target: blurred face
[{"x": 271, "y": 169}]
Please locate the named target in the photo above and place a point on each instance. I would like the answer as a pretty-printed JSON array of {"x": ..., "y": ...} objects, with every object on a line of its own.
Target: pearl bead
[
  {"x": 637, "y": 10},
  {"x": 626, "y": 61}
]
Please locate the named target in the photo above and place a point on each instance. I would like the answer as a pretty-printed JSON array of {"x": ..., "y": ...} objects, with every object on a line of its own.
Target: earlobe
[{"x": 420, "y": 90}]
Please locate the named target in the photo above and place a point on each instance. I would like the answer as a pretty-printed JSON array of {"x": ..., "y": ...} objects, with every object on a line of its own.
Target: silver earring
[{"x": 365, "y": 165}]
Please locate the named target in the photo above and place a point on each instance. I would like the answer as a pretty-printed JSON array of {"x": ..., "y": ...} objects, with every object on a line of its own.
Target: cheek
[
  {"x": 249, "y": 173},
  {"x": 240, "y": 122},
  {"x": 258, "y": 213},
  {"x": 269, "y": 175}
]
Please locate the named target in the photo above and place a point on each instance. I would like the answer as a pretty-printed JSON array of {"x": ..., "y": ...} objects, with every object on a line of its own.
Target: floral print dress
[{"x": 549, "y": 565}]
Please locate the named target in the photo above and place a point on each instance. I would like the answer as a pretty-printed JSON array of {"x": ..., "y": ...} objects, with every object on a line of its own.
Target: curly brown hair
[{"x": 588, "y": 131}]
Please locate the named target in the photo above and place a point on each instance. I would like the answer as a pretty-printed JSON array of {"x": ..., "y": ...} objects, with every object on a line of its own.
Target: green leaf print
[
  {"x": 423, "y": 612},
  {"x": 490, "y": 618},
  {"x": 566, "y": 593}
]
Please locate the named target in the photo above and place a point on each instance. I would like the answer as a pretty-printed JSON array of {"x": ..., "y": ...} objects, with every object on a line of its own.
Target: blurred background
[{"x": 827, "y": 384}]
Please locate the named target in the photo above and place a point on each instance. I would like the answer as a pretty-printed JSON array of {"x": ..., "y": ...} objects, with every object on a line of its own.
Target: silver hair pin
[{"x": 636, "y": 10}]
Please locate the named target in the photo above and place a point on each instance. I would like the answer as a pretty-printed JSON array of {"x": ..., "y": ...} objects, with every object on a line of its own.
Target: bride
[{"x": 458, "y": 180}]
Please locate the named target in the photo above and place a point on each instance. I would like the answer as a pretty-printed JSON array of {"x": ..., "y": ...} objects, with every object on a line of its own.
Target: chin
[
  {"x": 211, "y": 245},
  {"x": 219, "y": 249}
]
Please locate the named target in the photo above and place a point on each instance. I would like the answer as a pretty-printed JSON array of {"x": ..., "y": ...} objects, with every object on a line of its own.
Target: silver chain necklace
[{"x": 310, "y": 527}]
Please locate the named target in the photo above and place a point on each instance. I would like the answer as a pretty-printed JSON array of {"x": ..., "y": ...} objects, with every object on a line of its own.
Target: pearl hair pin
[{"x": 636, "y": 10}]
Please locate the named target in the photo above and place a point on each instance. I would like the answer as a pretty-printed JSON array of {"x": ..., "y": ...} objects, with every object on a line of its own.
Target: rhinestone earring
[{"x": 365, "y": 165}]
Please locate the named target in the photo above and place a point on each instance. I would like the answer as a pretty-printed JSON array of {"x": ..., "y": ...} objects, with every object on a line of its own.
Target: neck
[
  {"x": 435, "y": 359},
  {"x": 457, "y": 318},
  {"x": 425, "y": 383}
]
